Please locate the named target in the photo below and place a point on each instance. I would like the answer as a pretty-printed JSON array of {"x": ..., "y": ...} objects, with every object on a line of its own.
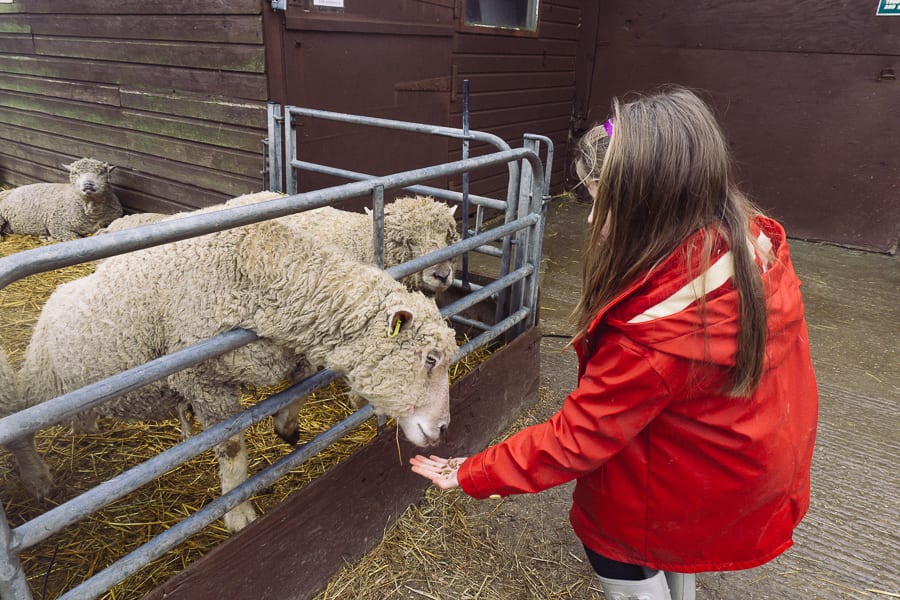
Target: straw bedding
[{"x": 81, "y": 461}]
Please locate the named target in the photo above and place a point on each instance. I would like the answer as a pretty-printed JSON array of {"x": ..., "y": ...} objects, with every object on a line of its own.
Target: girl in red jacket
[{"x": 691, "y": 431}]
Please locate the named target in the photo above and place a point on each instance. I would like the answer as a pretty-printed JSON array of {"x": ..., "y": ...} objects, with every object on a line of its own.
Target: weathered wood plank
[
  {"x": 73, "y": 90},
  {"x": 15, "y": 24},
  {"x": 487, "y": 44},
  {"x": 185, "y": 184},
  {"x": 218, "y": 109},
  {"x": 215, "y": 134},
  {"x": 16, "y": 44},
  {"x": 225, "y": 29},
  {"x": 314, "y": 531},
  {"x": 500, "y": 82},
  {"x": 763, "y": 25},
  {"x": 136, "y": 7},
  {"x": 509, "y": 99},
  {"x": 222, "y": 159},
  {"x": 228, "y": 57},
  {"x": 468, "y": 64},
  {"x": 237, "y": 85}
]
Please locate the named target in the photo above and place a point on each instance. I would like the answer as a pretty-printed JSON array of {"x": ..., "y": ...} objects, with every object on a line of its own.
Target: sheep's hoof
[
  {"x": 239, "y": 517},
  {"x": 38, "y": 482},
  {"x": 291, "y": 438}
]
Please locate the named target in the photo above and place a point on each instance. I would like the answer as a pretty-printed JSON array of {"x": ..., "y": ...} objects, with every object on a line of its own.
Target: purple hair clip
[{"x": 608, "y": 126}]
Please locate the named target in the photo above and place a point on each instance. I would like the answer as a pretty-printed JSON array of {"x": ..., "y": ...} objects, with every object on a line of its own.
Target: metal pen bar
[
  {"x": 41, "y": 527},
  {"x": 68, "y": 405},
  {"x": 470, "y": 322},
  {"x": 485, "y": 292},
  {"x": 495, "y": 332},
  {"x": 378, "y": 225},
  {"x": 72, "y": 252},
  {"x": 465, "y": 183},
  {"x": 432, "y": 258},
  {"x": 418, "y": 189},
  {"x": 452, "y": 132},
  {"x": 132, "y": 563}
]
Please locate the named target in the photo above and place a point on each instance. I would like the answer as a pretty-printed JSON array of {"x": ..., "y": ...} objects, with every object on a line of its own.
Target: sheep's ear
[
  {"x": 368, "y": 211},
  {"x": 109, "y": 168},
  {"x": 68, "y": 166},
  {"x": 400, "y": 319},
  {"x": 453, "y": 210}
]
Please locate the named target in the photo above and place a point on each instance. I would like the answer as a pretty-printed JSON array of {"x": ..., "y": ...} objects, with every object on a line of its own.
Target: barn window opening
[{"x": 506, "y": 14}]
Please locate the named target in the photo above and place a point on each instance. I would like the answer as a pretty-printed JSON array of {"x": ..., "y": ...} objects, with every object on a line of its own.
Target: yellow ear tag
[{"x": 392, "y": 333}]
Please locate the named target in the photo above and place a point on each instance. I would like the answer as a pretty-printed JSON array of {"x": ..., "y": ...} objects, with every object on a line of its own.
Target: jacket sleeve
[{"x": 617, "y": 396}]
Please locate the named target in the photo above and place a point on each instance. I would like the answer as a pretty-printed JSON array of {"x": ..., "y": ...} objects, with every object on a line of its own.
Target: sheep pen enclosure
[{"x": 330, "y": 507}]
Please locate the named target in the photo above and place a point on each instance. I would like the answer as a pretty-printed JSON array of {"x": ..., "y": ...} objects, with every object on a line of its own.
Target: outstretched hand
[{"x": 441, "y": 471}]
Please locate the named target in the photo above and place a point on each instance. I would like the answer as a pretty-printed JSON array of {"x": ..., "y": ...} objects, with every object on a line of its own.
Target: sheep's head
[
  {"x": 90, "y": 177},
  {"x": 403, "y": 369},
  {"x": 415, "y": 226}
]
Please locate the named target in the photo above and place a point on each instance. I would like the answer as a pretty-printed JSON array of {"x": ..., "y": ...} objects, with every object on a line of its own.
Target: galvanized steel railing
[{"x": 524, "y": 223}]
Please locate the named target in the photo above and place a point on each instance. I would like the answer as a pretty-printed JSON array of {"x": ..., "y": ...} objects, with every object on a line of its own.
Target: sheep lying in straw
[
  {"x": 310, "y": 304},
  {"x": 38, "y": 479},
  {"x": 413, "y": 226},
  {"x": 62, "y": 211}
]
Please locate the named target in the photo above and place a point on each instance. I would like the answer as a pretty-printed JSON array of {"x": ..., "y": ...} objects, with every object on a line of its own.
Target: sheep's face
[
  {"x": 414, "y": 227},
  {"x": 90, "y": 177},
  {"x": 406, "y": 374}
]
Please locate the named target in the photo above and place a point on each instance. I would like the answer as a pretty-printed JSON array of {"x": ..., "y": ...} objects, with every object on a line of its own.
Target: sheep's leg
[
  {"x": 33, "y": 471},
  {"x": 185, "y": 412},
  {"x": 213, "y": 403}
]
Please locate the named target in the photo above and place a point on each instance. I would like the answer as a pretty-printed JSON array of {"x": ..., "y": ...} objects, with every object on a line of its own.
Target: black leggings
[{"x": 613, "y": 569}]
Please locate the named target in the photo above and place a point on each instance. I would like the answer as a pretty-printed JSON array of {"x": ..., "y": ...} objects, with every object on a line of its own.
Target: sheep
[
  {"x": 310, "y": 304},
  {"x": 413, "y": 226},
  {"x": 62, "y": 211},
  {"x": 33, "y": 472}
]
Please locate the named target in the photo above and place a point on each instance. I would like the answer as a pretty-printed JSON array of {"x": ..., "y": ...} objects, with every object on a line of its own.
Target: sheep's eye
[{"x": 432, "y": 359}]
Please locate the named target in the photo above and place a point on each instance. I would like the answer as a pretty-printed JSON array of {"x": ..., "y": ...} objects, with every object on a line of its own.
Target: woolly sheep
[
  {"x": 413, "y": 226},
  {"x": 62, "y": 211},
  {"x": 33, "y": 471},
  {"x": 311, "y": 305}
]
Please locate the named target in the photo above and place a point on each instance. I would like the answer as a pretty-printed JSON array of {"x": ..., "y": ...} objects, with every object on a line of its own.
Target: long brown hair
[{"x": 666, "y": 174}]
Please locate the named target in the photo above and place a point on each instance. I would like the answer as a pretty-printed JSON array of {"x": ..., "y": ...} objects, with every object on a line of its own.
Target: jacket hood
[{"x": 661, "y": 310}]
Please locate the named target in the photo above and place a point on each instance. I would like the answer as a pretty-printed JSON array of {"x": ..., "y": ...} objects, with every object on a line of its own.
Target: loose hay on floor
[
  {"x": 80, "y": 462},
  {"x": 446, "y": 548}
]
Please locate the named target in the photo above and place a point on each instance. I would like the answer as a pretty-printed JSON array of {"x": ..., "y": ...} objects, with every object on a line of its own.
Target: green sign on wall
[{"x": 888, "y": 7}]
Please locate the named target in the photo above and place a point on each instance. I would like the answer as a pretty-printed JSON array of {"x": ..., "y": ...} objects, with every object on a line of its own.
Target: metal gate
[{"x": 516, "y": 243}]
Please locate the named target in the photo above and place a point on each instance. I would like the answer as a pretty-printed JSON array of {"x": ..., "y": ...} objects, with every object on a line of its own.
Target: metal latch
[{"x": 279, "y": 4}]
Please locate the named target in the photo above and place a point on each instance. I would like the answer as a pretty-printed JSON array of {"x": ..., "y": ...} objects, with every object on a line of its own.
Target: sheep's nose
[
  {"x": 443, "y": 275},
  {"x": 443, "y": 429}
]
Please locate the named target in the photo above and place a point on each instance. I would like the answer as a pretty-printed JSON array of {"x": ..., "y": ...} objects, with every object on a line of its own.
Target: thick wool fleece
[
  {"x": 311, "y": 306},
  {"x": 62, "y": 211},
  {"x": 413, "y": 226}
]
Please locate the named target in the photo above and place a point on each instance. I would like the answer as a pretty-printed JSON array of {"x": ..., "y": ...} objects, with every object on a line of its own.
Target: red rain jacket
[{"x": 672, "y": 474}]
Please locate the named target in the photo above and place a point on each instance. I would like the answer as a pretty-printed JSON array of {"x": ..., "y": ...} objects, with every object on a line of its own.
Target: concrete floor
[{"x": 848, "y": 546}]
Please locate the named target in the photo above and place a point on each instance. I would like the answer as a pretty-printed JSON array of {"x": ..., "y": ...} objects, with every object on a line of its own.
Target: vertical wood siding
[{"x": 172, "y": 93}]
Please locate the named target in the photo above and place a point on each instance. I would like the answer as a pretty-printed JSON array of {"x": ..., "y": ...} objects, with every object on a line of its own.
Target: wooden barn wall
[
  {"x": 172, "y": 93},
  {"x": 807, "y": 92},
  {"x": 518, "y": 84},
  {"x": 407, "y": 60}
]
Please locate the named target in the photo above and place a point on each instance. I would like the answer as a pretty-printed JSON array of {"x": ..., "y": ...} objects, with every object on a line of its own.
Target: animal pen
[{"x": 343, "y": 513}]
